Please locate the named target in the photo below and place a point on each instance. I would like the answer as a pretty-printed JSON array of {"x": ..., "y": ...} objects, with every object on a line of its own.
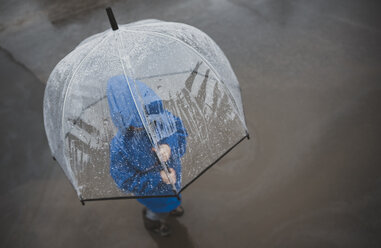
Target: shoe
[
  {"x": 156, "y": 226},
  {"x": 178, "y": 212}
]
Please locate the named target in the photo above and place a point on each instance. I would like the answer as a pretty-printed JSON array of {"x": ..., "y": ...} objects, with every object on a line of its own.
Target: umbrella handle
[{"x": 166, "y": 169}]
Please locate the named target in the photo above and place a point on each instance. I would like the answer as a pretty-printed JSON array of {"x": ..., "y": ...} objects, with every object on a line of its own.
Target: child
[{"x": 133, "y": 163}]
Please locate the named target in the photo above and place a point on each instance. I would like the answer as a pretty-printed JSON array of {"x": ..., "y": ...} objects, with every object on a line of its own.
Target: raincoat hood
[{"x": 124, "y": 99}]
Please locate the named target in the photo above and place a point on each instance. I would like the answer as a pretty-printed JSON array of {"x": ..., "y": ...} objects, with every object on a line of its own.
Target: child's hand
[
  {"x": 164, "y": 152},
  {"x": 171, "y": 175}
]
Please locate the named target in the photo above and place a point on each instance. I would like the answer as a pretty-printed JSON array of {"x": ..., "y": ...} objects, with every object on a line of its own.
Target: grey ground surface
[{"x": 310, "y": 176}]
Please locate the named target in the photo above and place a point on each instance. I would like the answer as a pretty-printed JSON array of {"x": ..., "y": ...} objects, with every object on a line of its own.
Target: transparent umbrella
[{"x": 113, "y": 104}]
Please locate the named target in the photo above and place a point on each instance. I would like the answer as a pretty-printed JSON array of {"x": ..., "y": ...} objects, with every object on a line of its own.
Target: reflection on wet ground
[{"x": 179, "y": 236}]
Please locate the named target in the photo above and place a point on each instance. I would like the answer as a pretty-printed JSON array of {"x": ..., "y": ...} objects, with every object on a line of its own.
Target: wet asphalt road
[{"x": 310, "y": 176}]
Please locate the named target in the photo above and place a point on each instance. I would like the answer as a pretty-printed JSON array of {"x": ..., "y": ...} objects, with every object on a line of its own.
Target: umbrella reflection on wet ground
[{"x": 179, "y": 236}]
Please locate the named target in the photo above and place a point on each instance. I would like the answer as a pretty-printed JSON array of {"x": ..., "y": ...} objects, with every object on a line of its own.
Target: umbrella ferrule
[{"x": 111, "y": 18}]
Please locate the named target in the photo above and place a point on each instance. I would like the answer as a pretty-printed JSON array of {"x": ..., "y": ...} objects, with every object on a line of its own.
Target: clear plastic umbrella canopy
[{"x": 138, "y": 86}]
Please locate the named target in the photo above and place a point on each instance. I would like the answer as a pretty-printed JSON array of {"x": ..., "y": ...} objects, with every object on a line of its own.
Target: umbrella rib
[
  {"x": 154, "y": 144},
  {"x": 64, "y": 105}
]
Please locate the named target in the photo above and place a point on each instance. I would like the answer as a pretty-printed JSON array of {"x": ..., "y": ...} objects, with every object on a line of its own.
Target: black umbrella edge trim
[
  {"x": 218, "y": 159},
  {"x": 182, "y": 189}
]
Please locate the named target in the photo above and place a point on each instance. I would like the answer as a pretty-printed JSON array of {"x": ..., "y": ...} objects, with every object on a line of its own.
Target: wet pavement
[{"x": 309, "y": 177}]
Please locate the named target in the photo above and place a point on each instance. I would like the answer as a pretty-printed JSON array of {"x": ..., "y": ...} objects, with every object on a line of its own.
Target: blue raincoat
[{"x": 133, "y": 165}]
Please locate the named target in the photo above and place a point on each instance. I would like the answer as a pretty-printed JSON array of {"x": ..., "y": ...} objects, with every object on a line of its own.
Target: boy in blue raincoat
[{"x": 134, "y": 166}]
